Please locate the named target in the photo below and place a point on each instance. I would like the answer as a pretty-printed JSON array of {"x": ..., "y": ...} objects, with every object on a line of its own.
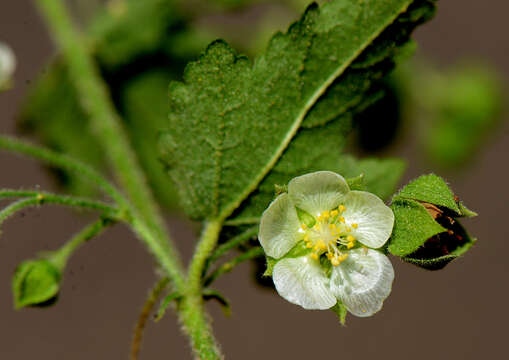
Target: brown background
[{"x": 459, "y": 313}]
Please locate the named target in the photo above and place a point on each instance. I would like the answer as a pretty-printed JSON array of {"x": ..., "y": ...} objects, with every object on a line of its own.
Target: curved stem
[
  {"x": 227, "y": 267},
  {"x": 104, "y": 119},
  {"x": 43, "y": 197},
  {"x": 60, "y": 161},
  {"x": 206, "y": 245},
  {"x": 61, "y": 257},
  {"x": 154, "y": 294},
  {"x": 233, "y": 243}
]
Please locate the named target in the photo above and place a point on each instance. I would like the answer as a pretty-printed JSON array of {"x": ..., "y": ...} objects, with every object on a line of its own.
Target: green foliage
[
  {"x": 413, "y": 226},
  {"x": 35, "y": 283},
  {"x": 54, "y": 112},
  {"x": 431, "y": 189},
  {"x": 466, "y": 109},
  {"x": 123, "y": 32},
  {"x": 426, "y": 232},
  {"x": 242, "y": 115},
  {"x": 124, "y": 50}
]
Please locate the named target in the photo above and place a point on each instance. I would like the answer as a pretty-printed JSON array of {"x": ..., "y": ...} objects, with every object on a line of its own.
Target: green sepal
[
  {"x": 270, "y": 265},
  {"x": 357, "y": 183},
  {"x": 174, "y": 296},
  {"x": 298, "y": 250},
  {"x": 35, "y": 283},
  {"x": 466, "y": 212},
  {"x": 341, "y": 311},
  {"x": 211, "y": 294},
  {"x": 413, "y": 226},
  {"x": 446, "y": 249},
  {"x": 306, "y": 218},
  {"x": 431, "y": 189}
]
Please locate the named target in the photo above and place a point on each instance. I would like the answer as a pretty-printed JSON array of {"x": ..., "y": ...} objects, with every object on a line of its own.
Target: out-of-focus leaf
[{"x": 466, "y": 111}]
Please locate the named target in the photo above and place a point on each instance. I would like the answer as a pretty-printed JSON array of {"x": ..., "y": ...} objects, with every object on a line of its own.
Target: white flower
[
  {"x": 337, "y": 230},
  {"x": 7, "y": 64}
]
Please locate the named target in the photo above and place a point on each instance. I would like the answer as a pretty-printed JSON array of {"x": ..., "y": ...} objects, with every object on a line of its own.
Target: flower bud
[
  {"x": 426, "y": 231},
  {"x": 7, "y": 65},
  {"x": 35, "y": 283}
]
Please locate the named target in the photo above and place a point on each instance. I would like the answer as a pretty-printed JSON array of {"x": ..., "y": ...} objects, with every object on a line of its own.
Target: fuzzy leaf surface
[
  {"x": 413, "y": 226},
  {"x": 231, "y": 120}
]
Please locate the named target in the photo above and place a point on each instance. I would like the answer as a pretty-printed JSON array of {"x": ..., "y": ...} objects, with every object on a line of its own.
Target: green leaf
[
  {"x": 341, "y": 311},
  {"x": 242, "y": 116},
  {"x": 413, "y": 226},
  {"x": 431, "y": 189},
  {"x": 35, "y": 283}
]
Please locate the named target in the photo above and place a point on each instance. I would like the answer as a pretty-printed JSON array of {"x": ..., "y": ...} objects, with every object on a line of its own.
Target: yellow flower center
[{"x": 330, "y": 235}]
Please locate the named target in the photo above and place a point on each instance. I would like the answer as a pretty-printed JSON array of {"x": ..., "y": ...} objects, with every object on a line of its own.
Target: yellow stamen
[
  {"x": 341, "y": 208},
  {"x": 303, "y": 227},
  {"x": 309, "y": 245},
  {"x": 350, "y": 238},
  {"x": 350, "y": 245},
  {"x": 334, "y": 213},
  {"x": 314, "y": 256},
  {"x": 355, "y": 226},
  {"x": 341, "y": 219},
  {"x": 316, "y": 227}
]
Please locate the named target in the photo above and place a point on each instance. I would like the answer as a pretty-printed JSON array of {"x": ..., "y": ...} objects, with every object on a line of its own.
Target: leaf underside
[{"x": 231, "y": 120}]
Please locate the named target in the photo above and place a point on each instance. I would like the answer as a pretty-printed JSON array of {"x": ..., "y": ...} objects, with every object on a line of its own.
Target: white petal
[
  {"x": 303, "y": 282},
  {"x": 279, "y": 227},
  {"x": 363, "y": 281},
  {"x": 374, "y": 219},
  {"x": 318, "y": 191}
]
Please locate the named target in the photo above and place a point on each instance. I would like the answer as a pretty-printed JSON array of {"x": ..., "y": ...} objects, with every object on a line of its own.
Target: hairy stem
[
  {"x": 41, "y": 199},
  {"x": 107, "y": 127},
  {"x": 61, "y": 161},
  {"x": 146, "y": 219},
  {"x": 61, "y": 257},
  {"x": 71, "y": 201},
  {"x": 205, "y": 247},
  {"x": 154, "y": 294},
  {"x": 233, "y": 243},
  {"x": 227, "y": 267}
]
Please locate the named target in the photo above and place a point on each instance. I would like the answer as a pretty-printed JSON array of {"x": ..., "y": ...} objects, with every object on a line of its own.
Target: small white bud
[{"x": 7, "y": 65}]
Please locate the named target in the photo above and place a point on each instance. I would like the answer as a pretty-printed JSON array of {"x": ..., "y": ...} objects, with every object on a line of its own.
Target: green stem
[
  {"x": 227, "y": 267},
  {"x": 71, "y": 201},
  {"x": 41, "y": 199},
  {"x": 60, "y": 161},
  {"x": 13, "y": 208},
  {"x": 233, "y": 243},
  {"x": 146, "y": 220},
  {"x": 105, "y": 122},
  {"x": 61, "y": 257},
  {"x": 206, "y": 245}
]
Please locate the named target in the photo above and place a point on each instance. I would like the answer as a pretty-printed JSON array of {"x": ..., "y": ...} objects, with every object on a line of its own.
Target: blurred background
[{"x": 454, "y": 89}]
